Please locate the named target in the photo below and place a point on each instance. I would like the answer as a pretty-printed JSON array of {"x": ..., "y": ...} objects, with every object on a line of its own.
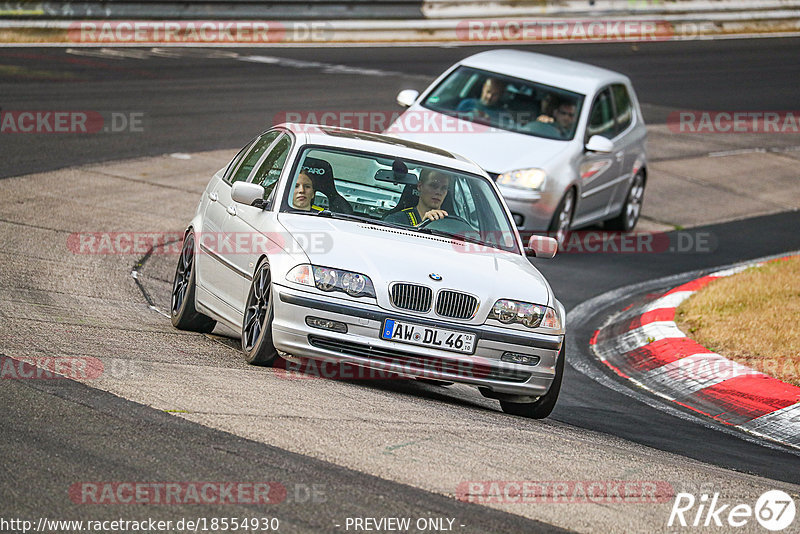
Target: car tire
[
  {"x": 257, "y": 324},
  {"x": 562, "y": 218},
  {"x": 632, "y": 209},
  {"x": 543, "y": 406},
  {"x": 183, "y": 313}
]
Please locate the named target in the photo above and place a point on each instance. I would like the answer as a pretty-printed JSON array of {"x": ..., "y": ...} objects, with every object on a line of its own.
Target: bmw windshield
[{"x": 381, "y": 189}]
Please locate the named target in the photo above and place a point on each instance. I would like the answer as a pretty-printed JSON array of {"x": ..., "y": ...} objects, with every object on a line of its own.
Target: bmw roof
[{"x": 347, "y": 138}]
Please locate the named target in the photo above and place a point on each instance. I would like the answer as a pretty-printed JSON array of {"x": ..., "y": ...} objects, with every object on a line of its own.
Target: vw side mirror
[
  {"x": 406, "y": 97},
  {"x": 598, "y": 143},
  {"x": 541, "y": 247}
]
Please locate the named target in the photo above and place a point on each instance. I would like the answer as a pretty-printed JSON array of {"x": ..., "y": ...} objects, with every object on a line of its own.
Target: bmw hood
[
  {"x": 493, "y": 149},
  {"x": 388, "y": 255}
]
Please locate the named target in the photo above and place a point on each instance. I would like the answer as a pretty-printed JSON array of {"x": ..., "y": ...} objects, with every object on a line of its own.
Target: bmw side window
[
  {"x": 235, "y": 161},
  {"x": 270, "y": 169},
  {"x": 622, "y": 102},
  {"x": 464, "y": 203},
  {"x": 249, "y": 161},
  {"x": 601, "y": 118}
]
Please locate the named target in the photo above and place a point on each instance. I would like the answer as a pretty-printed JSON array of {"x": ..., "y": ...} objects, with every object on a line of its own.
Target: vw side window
[
  {"x": 253, "y": 155},
  {"x": 601, "y": 118},
  {"x": 270, "y": 169},
  {"x": 622, "y": 103}
]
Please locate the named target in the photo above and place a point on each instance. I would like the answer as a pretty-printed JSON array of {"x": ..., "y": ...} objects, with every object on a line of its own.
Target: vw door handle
[
  {"x": 212, "y": 196},
  {"x": 620, "y": 155},
  {"x": 231, "y": 210}
]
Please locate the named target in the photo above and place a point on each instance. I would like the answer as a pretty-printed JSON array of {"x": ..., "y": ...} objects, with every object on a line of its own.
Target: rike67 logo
[{"x": 774, "y": 510}]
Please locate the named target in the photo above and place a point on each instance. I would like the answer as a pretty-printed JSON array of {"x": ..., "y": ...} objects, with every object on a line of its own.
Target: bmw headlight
[
  {"x": 326, "y": 279},
  {"x": 523, "y": 179},
  {"x": 527, "y": 314},
  {"x": 329, "y": 279}
]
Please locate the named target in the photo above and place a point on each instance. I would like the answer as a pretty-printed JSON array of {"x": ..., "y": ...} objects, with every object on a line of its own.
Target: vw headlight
[
  {"x": 527, "y": 314},
  {"x": 523, "y": 179}
]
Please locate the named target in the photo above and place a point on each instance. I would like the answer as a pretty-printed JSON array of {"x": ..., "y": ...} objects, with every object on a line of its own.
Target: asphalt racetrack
[{"x": 368, "y": 449}]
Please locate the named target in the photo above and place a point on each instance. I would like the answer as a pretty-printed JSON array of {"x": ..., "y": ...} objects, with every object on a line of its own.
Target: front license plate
[{"x": 428, "y": 336}]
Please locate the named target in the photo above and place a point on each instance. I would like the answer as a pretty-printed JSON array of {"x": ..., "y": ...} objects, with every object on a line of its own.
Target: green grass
[{"x": 751, "y": 317}]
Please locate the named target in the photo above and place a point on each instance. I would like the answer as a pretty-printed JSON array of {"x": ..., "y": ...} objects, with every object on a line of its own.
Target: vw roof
[{"x": 549, "y": 70}]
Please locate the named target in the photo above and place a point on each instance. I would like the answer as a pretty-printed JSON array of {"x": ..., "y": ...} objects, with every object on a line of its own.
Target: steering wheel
[{"x": 452, "y": 224}]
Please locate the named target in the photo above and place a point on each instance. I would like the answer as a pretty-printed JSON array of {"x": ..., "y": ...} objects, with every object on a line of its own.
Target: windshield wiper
[
  {"x": 441, "y": 233},
  {"x": 346, "y": 216},
  {"x": 360, "y": 218}
]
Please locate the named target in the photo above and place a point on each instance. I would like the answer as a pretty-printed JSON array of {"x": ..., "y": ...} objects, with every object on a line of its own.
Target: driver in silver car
[{"x": 432, "y": 189}]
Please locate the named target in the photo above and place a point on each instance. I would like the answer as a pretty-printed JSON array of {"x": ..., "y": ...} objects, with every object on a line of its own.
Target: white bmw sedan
[{"x": 356, "y": 248}]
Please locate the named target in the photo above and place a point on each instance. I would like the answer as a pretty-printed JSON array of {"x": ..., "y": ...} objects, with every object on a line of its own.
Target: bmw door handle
[
  {"x": 212, "y": 196},
  {"x": 231, "y": 210},
  {"x": 620, "y": 155}
]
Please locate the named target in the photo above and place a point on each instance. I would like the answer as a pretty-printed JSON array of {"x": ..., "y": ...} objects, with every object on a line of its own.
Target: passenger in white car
[{"x": 304, "y": 193}]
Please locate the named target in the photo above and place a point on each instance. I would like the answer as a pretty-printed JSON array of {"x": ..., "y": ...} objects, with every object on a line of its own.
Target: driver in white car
[{"x": 432, "y": 189}]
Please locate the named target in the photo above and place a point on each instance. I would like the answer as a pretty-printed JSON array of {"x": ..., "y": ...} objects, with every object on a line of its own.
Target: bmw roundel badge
[{"x": 435, "y": 277}]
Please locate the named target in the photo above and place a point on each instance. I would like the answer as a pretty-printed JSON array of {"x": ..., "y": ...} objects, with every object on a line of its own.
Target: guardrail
[
  {"x": 465, "y": 22},
  {"x": 377, "y": 9},
  {"x": 216, "y": 10},
  {"x": 594, "y": 8}
]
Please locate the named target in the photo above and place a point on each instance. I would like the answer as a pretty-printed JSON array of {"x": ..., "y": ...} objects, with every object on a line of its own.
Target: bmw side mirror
[
  {"x": 541, "y": 247},
  {"x": 249, "y": 194},
  {"x": 406, "y": 97},
  {"x": 598, "y": 143}
]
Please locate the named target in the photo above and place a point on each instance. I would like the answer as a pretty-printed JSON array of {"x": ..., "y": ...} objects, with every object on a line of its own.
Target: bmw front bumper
[{"x": 362, "y": 345}]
